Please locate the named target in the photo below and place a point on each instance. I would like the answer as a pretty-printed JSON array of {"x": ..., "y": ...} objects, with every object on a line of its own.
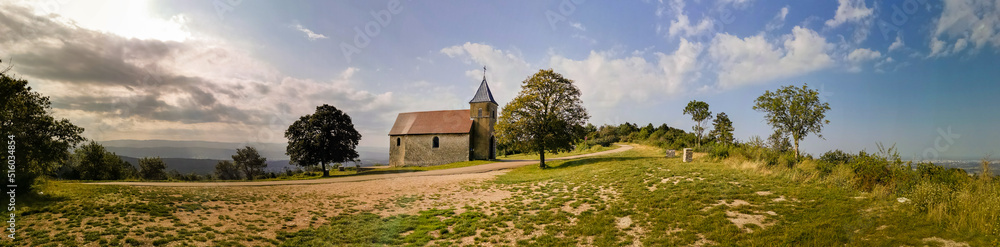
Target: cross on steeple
[{"x": 484, "y": 72}]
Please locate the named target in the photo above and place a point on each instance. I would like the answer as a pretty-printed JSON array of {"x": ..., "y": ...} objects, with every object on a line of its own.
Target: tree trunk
[
  {"x": 541, "y": 156},
  {"x": 796, "y": 150},
  {"x": 326, "y": 173}
]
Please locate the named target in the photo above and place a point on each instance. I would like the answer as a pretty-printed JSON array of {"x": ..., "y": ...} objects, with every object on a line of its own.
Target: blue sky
[{"x": 920, "y": 73}]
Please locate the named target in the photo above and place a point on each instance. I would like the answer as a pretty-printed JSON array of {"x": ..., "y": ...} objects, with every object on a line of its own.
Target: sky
[{"x": 917, "y": 74}]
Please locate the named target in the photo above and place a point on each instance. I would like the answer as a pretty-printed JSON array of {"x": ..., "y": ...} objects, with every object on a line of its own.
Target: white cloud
[
  {"x": 682, "y": 25},
  {"x": 863, "y": 54},
  {"x": 309, "y": 33},
  {"x": 959, "y": 45},
  {"x": 898, "y": 44},
  {"x": 506, "y": 69},
  {"x": 778, "y": 21},
  {"x": 849, "y": 11},
  {"x": 938, "y": 48},
  {"x": 578, "y": 26},
  {"x": 753, "y": 59},
  {"x": 859, "y": 56},
  {"x": 607, "y": 79},
  {"x": 969, "y": 22}
]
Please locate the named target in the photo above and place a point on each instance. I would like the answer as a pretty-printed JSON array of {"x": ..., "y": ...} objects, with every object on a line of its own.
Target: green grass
[
  {"x": 618, "y": 199},
  {"x": 534, "y": 156}
]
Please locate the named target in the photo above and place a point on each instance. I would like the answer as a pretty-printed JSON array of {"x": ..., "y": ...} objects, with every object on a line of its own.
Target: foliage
[
  {"x": 836, "y": 157},
  {"x": 93, "y": 162},
  {"x": 779, "y": 142},
  {"x": 152, "y": 168},
  {"x": 41, "y": 141},
  {"x": 700, "y": 114},
  {"x": 722, "y": 129},
  {"x": 324, "y": 137},
  {"x": 546, "y": 116},
  {"x": 226, "y": 170},
  {"x": 794, "y": 111},
  {"x": 250, "y": 162}
]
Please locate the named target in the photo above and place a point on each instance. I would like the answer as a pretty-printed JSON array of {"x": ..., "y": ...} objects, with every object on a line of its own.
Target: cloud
[
  {"x": 898, "y": 44},
  {"x": 607, "y": 79},
  {"x": 849, "y": 11},
  {"x": 778, "y": 21},
  {"x": 754, "y": 60},
  {"x": 124, "y": 88},
  {"x": 970, "y": 22},
  {"x": 506, "y": 69},
  {"x": 682, "y": 25},
  {"x": 859, "y": 56},
  {"x": 578, "y": 26},
  {"x": 309, "y": 33}
]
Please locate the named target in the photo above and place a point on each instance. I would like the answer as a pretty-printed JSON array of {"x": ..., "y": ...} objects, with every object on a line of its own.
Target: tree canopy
[
  {"x": 700, "y": 114},
  {"x": 722, "y": 129},
  {"x": 547, "y": 115},
  {"x": 152, "y": 168},
  {"x": 41, "y": 141},
  {"x": 794, "y": 111},
  {"x": 250, "y": 162},
  {"x": 326, "y": 136},
  {"x": 94, "y": 162}
]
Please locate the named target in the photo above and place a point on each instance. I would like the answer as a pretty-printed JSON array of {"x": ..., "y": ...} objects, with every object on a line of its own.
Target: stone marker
[
  {"x": 688, "y": 154},
  {"x": 671, "y": 153}
]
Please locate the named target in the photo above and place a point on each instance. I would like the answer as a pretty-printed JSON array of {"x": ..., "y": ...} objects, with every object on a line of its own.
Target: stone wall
[
  {"x": 482, "y": 129},
  {"x": 418, "y": 150}
]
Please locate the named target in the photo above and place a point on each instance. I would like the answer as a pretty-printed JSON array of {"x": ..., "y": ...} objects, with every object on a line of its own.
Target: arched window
[
  {"x": 397, "y": 141},
  {"x": 436, "y": 143},
  {"x": 480, "y": 112},
  {"x": 494, "y": 113}
]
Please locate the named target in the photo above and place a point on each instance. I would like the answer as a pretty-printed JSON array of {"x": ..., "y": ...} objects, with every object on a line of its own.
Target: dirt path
[{"x": 462, "y": 170}]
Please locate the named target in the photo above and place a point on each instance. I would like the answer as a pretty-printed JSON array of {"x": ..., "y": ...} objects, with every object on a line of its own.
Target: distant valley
[{"x": 200, "y": 156}]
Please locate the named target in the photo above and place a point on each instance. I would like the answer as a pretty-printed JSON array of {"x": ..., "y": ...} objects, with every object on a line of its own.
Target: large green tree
[
  {"x": 722, "y": 129},
  {"x": 40, "y": 142},
  {"x": 700, "y": 114},
  {"x": 250, "y": 162},
  {"x": 324, "y": 137},
  {"x": 226, "y": 170},
  {"x": 152, "y": 168},
  {"x": 794, "y": 111},
  {"x": 547, "y": 115},
  {"x": 94, "y": 162}
]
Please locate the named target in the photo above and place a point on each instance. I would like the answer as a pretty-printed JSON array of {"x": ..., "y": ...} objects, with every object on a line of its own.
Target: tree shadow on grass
[{"x": 587, "y": 161}]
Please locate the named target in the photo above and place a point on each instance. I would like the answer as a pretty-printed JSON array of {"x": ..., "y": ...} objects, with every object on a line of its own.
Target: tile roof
[
  {"x": 432, "y": 122},
  {"x": 483, "y": 94}
]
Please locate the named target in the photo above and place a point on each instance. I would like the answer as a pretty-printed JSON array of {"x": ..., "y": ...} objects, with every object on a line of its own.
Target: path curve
[{"x": 461, "y": 170}]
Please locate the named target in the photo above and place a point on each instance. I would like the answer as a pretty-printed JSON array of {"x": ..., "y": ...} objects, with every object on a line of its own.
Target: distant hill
[
  {"x": 201, "y": 156},
  {"x": 207, "y": 166}
]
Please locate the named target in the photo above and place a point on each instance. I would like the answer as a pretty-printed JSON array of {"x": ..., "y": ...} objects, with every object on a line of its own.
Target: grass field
[
  {"x": 632, "y": 198},
  {"x": 534, "y": 156}
]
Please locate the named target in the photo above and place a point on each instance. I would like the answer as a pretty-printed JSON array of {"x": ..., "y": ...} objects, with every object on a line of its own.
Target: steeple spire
[{"x": 483, "y": 94}]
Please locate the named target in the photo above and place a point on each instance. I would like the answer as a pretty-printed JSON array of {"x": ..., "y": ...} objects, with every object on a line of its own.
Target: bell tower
[{"x": 483, "y": 111}]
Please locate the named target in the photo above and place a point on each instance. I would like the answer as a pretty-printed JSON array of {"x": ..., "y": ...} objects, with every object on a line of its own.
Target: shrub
[
  {"x": 928, "y": 194},
  {"x": 869, "y": 170},
  {"x": 719, "y": 152},
  {"x": 950, "y": 177},
  {"x": 825, "y": 167},
  {"x": 836, "y": 157}
]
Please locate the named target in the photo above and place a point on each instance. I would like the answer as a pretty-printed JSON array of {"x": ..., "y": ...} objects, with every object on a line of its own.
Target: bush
[
  {"x": 719, "y": 152},
  {"x": 869, "y": 170},
  {"x": 928, "y": 194},
  {"x": 950, "y": 177},
  {"x": 836, "y": 157},
  {"x": 825, "y": 167}
]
